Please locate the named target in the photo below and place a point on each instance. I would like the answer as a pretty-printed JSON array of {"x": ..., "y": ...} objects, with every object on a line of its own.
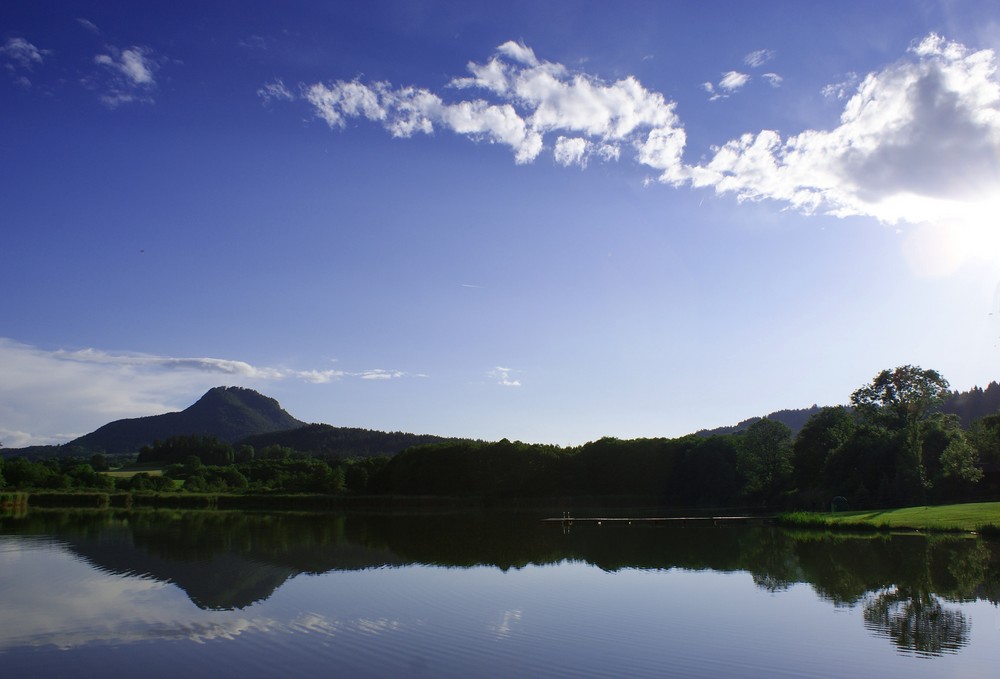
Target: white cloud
[
  {"x": 51, "y": 396},
  {"x": 503, "y": 378},
  {"x": 773, "y": 79},
  {"x": 495, "y": 123},
  {"x": 132, "y": 63},
  {"x": 379, "y": 374},
  {"x": 21, "y": 54},
  {"x": 523, "y": 100},
  {"x": 730, "y": 82},
  {"x": 609, "y": 152},
  {"x": 733, "y": 80},
  {"x": 571, "y": 151},
  {"x": 758, "y": 58},
  {"x": 129, "y": 75},
  {"x": 144, "y": 361},
  {"x": 918, "y": 141},
  {"x": 492, "y": 76},
  {"x": 518, "y": 52}
]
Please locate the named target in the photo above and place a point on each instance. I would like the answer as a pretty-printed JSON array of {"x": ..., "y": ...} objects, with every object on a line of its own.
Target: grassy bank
[{"x": 981, "y": 517}]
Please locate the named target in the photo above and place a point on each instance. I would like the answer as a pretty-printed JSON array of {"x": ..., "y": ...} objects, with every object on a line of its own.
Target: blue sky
[{"x": 547, "y": 221}]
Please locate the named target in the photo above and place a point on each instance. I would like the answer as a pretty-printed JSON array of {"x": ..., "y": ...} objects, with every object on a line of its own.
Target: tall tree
[
  {"x": 764, "y": 459},
  {"x": 900, "y": 400}
]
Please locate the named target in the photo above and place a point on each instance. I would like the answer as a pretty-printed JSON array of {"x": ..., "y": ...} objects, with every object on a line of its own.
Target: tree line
[{"x": 893, "y": 446}]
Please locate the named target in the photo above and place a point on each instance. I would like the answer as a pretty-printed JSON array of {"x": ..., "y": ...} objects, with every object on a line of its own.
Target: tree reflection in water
[{"x": 916, "y": 621}]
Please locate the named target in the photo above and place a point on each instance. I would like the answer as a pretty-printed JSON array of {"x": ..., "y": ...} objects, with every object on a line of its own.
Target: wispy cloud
[
  {"x": 89, "y": 25},
  {"x": 502, "y": 376},
  {"x": 21, "y": 54},
  {"x": 129, "y": 75},
  {"x": 733, "y": 80},
  {"x": 89, "y": 387},
  {"x": 379, "y": 374},
  {"x": 758, "y": 58},
  {"x": 842, "y": 89},
  {"x": 773, "y": 79},
  {"x": 275, "y": 91}
]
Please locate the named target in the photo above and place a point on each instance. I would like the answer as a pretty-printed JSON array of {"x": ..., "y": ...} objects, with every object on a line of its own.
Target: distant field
[
  {"x": 132, "y": 472},
  {"x": 963, "y": 517}
]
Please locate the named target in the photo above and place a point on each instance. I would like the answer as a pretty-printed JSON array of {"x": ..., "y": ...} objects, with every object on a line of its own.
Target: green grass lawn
[{"x": 964, "y": 517}]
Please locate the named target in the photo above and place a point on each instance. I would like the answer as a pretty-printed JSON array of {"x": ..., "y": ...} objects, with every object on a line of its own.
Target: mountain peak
[
  {"x": 237, "y": 397},
  {"x": 227, "y": 413}
]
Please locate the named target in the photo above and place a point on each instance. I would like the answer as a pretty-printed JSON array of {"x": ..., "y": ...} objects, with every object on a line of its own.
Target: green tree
[
  {"x": 192, "y": 464},
  {"x": 897, "y": 398},
  {"x": 195, "y": 484},
  {"x": 22, "y": 473},
  {"x": 900, "y": 400},
  {"x": 984, "y": 436},
  {"x": 764, "y": 459},
  {"x": 245, "y": 453},
  {"x": 948, "y": 457},
  {"x": 819, "y": 438}
]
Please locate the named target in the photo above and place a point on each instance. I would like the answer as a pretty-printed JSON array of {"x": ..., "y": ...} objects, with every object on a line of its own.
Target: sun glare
[{"x": 969, "y": 235}]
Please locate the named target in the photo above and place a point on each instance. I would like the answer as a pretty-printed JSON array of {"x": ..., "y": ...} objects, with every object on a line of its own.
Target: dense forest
[{"x": 902, "y": 441}]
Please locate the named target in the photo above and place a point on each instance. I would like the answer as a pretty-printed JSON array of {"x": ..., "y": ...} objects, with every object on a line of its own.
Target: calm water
[{"x": 209, "y": 594}]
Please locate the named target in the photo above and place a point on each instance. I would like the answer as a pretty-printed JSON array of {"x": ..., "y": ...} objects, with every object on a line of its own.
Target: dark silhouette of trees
[
  {"x": 823, "y": 434},
  {"x": 764, "y": 460}
]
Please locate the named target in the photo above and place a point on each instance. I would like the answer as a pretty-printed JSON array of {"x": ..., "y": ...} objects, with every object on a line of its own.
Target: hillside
[
  {"x": 793, "y": 418},
  {"x": 344, "y": 442},
  {"x": 227, "y": 413}
]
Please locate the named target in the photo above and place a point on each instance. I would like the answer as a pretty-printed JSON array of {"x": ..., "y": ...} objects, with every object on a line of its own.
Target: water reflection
[
  {"x": 917, "y": 621},
  {"x": 908, "y": 587}
]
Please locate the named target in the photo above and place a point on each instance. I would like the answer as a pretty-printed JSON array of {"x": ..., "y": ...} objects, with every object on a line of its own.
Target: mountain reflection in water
[{"x": 228, "y": 561}]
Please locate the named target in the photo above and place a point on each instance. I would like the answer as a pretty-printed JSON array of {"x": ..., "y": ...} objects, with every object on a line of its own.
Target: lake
[{"x": 208, "y": 594}]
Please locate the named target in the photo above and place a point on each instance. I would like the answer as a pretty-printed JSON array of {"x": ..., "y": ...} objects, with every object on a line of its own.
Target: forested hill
[
  {"x": 227, "y": 413},
  {"x": 968, "y": 405},
  {"x": 345, "y": 442},
  {"x": 973, "y": 404},
  {"x": 794, "y": 419}
]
